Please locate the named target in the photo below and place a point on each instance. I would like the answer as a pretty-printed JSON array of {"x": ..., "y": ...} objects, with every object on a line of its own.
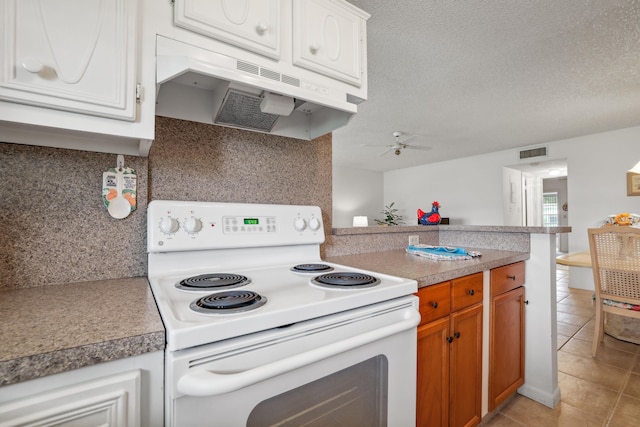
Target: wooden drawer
[
  {"x": 435, "y": 301},
  {"x": 505, "y": 278},
  {"x": 466, "y": 291}
]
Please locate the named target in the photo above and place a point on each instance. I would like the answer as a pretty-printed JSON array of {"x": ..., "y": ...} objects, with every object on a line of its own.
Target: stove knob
[
  {"x": 314, "y": 224},
  {"x": 169, "y": 225},
  {"x": 300, "y": 224},
  {"x": 192, "y": 225}
]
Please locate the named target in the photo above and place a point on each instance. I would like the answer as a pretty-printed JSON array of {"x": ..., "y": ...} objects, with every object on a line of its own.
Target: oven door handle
[{"x": 208, "y": 383}]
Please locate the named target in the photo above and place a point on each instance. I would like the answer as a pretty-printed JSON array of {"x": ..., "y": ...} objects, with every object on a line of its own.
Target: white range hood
[{"x": 208, "y": 87}]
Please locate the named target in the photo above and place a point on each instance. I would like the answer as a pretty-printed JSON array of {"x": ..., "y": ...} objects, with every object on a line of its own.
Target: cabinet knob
[
  {"x": 449, "y": 339},
  {"x": 472, "y": 292},
  {"x": 511, "y": 277},
  {"x": 32, "y": 65},
  {"x": 526, "y": 301},
  {"x": 434, "y": 304},
  {"x": 314, "y": 48},
  {"x": 262, "y": 28},
  {"x": 457, "y": 334}
]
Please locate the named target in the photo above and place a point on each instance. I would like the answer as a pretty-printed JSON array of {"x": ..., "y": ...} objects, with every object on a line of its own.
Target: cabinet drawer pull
[
  {"x": 434, "y": 304},
  {"x": 511, "y": 277},
  {"x": 314, "y": 48},
  {"x": 457, "y": 334},
  {"x": 472, "y": 292},
  {"x": 449, "y": 339}
]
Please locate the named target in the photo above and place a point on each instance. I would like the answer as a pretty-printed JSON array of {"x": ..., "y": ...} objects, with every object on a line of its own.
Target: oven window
[{"x": 355, "y": 396}]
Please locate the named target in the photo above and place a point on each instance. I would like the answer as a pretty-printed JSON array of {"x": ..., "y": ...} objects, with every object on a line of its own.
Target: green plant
[{"x": 390, "y": 216}]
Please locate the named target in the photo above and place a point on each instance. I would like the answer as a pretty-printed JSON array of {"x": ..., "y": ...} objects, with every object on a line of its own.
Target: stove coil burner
[
  {"x": 206, "y": 282},
  {"x": 228, "y": 302},
  {"x": 311, "y": 268},
  {"x": 348, "y": 280}
]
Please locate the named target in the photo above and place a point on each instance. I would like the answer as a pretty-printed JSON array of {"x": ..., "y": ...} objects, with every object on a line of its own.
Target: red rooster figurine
[{"x": 430, "y": 218}]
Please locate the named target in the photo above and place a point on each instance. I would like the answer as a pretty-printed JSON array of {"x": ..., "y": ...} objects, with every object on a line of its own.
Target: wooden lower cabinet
[
  {"x": 433, "y": 374},
  {"x": 449, "y": 379},
  {"x": 506, "y": 346},
  {"x": 466, "y": 367},
  {"x": 506, "y": 332}
]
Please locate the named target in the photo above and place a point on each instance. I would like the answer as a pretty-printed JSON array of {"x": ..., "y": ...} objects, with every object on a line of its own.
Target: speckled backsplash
[
  {"x": 53, "y": 223},
  {"x": 55, "y": 228}
]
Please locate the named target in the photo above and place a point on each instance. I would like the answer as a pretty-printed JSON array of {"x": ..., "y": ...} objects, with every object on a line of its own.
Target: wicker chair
[{"x": 615, "y": 259}]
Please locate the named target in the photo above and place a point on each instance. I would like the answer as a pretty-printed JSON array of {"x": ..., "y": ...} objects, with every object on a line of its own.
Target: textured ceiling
[{"x": 469, "y": 77}]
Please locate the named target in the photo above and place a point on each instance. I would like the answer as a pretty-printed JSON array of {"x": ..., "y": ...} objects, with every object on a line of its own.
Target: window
[{"x": 550, "y": 209}]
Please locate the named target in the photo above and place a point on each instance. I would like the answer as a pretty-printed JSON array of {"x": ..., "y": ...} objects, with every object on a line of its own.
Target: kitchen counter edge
[
  {"x": 467, "y": 228},
  {"x": 84, "y": 324}
]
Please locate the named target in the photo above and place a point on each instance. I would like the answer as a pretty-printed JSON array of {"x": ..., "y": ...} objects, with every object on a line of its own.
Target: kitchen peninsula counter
[
  {"x": 383, "y": 250},
  {"x": 51, "y": 329}
]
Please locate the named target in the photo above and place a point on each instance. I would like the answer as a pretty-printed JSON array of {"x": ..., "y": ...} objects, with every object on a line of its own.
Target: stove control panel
[
  {"x": 183, "y": 226},
  {"x": 255, "y": 224}
]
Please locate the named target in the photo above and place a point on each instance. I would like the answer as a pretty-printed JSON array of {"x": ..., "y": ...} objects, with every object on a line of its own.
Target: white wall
[
  {"x": 470, "y": 189},
  {"x": 356, "y": 192}
]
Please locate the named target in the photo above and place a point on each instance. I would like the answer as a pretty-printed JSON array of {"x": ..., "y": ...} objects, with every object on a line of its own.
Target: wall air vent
[{"x": 532, "y": 153}]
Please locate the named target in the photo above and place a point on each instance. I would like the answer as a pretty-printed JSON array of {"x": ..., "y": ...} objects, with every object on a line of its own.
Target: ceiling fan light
[{"x": 397, "y": 151}]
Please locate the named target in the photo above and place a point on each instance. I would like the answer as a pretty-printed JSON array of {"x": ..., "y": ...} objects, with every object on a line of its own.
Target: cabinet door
[
  {"x": 112, "y": 401},
  {"x": 73, "y": 55},
  {"x": 249, "y": 24},
  {"x": 506, "y": 347},
  {"x": 327, "y": 38},
  {"x": 432, "y": 403},
  {"x": 466, "y": 367}
]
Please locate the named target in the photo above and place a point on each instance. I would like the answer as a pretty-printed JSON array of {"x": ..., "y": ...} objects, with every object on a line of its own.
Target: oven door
[{"x": 351, "y": 368}]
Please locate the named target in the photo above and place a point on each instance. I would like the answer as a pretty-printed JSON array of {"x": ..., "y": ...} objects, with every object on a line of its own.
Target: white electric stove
[{"x": 235, "y": 279}]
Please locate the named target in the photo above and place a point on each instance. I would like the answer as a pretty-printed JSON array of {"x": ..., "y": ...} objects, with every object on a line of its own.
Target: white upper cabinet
[
  {"x": 73, "y": 55},
  {"x": 250, "y": 24},
  {"x": 73, "y": 74},
  {"x": 328, "y": 37}
]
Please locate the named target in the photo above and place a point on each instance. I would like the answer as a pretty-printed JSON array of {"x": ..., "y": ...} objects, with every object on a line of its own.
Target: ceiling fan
[{"x": 398, "y": 146}]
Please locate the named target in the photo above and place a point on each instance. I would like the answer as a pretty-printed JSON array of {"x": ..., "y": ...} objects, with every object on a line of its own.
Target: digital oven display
[{"x": 251, "y": 221}]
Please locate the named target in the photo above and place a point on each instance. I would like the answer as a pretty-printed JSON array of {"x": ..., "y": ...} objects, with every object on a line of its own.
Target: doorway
[{"x": 526, "y": 196}]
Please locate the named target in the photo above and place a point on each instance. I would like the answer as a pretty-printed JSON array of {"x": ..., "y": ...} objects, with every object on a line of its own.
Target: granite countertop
[
  {"x": 426, "y": 271},
  {"x": 52, "y": 329}
]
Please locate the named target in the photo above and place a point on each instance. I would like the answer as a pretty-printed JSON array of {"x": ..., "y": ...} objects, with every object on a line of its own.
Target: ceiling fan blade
[
  {"x": 406, "y": 138},
  {"x": 418, "y": 147},
  {"x": 373, "y": 145},
  {"x": 385, "y": 152}
]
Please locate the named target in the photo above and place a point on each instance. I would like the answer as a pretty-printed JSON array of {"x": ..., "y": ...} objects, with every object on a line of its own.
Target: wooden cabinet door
[
  {"x": 506, "y": 347},
  {"x": 432, "y": 402},
  {"x": 466, "y": 367},
  {"x": 250, "y": 24},
  {"x": 73, "y": 55},
  {"x": 328, "y": 39}
]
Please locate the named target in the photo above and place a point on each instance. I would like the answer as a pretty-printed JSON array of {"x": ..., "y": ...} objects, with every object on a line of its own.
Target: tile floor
[{"x": 604, "y": 391}]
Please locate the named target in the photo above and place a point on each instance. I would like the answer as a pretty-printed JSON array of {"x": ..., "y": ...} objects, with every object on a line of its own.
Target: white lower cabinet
[
  {"x": 110, "y": 401},
  {"x": 123, "y": 393}
]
